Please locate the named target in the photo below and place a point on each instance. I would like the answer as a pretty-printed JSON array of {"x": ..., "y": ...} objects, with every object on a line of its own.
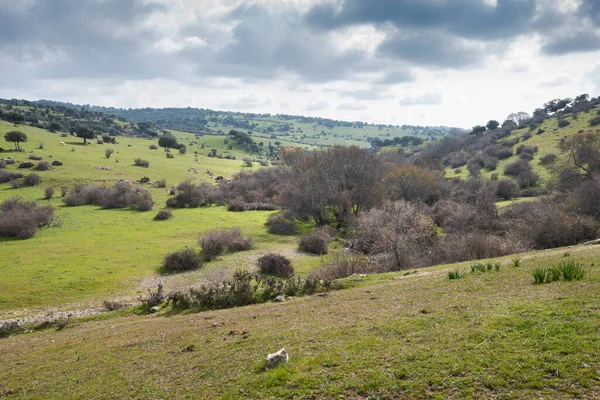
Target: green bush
[
  {"x": 539, "y": 274},
  {"x": 455, "y": 274},
  {"x": 571, "y": 270}
]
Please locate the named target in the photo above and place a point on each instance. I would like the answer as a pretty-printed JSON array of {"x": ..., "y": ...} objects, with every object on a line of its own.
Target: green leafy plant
[
  {"x": 571, "y": 270},
  {"x": 455, "y": 274},
  {"x": 539, "y": 274},
  {"x": 516, "y": 262}
]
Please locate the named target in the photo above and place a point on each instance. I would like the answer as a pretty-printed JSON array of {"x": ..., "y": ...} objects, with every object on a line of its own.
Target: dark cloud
[
  {"x": 432, "y": 49},
  {"x": 571, "y": 42},
  {"x": 396, "y": 75},
  {"x": 467, "y": 18},
  {"x": 590, "y": 9},
  {"x": 271, "y": 40},
  {"x": 77, "y": 39}
]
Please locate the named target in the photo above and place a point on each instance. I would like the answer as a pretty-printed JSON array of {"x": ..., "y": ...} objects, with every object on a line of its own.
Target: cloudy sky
[{"x": 426, "y": 62}]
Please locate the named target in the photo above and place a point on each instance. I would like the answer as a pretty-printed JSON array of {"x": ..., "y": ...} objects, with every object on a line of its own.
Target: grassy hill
[
  {"x": 409, "y": 334},
  {"x": 545, "y": 137},
  {"x": 92, "y": 254},
  {"x": 487, "y": 335},
  {"x": 299, "y": 130}
]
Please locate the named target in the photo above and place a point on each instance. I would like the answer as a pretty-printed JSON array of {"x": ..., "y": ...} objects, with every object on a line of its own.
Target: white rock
[{"x": 275, "y": 359}]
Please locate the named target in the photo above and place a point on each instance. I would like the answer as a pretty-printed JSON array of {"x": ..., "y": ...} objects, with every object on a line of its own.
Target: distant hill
[
  {"x": 523, "y": 148},
  {"x": 58, "y": 118},
  {"x": 291, "y": 128}
]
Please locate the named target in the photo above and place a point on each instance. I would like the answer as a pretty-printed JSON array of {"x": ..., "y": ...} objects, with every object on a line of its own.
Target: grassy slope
[
  {"x": 546, "y": 142},
  {"x": 96, "y": 254},
  {"x": 492, "y": 335}
]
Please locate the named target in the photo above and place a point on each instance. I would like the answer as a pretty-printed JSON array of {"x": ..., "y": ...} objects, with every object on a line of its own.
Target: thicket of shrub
[
  {"x": 188, "y": 194},
  {"x": 22, "y": 219},
  {"x": 219, "y": 241},
  {"x": 245, "y": 288},
  {"x": 275, "y": 264},
  {"x": 7, "y": 176},
  {"x": 279, "y": 225},
  {"x": 43, "y": 166},
  {"x": 141, "y": 163},
  {"x": 121, "y": 195},
  {"x": 48, "y": 192},
  {"x": 239, "y": 206},
  {"x": 316, "y": 242},
  {"x": 163, "y": 215},
  {"x": 182, "y": 260},
  {"x": 342, "y": 265}
]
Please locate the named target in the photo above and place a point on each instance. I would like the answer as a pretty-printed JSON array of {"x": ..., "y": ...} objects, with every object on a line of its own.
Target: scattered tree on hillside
[
  {"x": 85, "y": 132},
  {"x": 519, "y": 118},
  {"x": 582, "y": 153},
  {"x": 167, "y": 141},
  {"x": 478, "y": 130},
  {"x": 15, "y": 137},
  {"x": 492, "y": 125}
]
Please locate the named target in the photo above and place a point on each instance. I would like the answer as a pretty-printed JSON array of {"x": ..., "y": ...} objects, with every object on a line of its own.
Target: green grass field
[
  {"x": 92, "y": 254},
  {"x": 487, "y": 335}
]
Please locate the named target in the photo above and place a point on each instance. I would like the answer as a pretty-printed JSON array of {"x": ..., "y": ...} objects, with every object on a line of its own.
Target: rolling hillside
[{"x": 280, "y": 127}]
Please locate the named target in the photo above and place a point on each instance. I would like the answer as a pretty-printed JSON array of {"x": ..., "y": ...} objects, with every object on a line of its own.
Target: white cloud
[
  {"x": 426, "y": 98},
  {"x": 557, "y": 80}
]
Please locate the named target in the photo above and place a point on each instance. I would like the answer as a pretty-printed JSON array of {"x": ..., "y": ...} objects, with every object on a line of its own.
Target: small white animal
[
  {"x": 61, "y": 143},
  {"x": 281, "y": 357}
]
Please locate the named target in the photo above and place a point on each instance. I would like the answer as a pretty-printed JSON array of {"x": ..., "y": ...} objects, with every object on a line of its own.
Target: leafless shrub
[
  {"x": 7, "y": 176},
  {"x": 247, "y": 161},
  {"x": 506, "y": 189},
  {"x": 163, "y": 215},
  {"x": 112, "y": 305},
  {"x": 548, "y": 225},
  {"x": 275, "y": 264},
  {"x": 342, "y": 265},
  {"x": 22, "y": 219},
  {"x": 527, "y": 149},
  {"x": 121, "y": 195},
  {"x": 182, "y": 260},
  {"x": 237, "y": 205},
  {"x": 56, "y": 163},
  {"x": 32, "y": 180},
  {"x": 188, "y": 194},
  {"x": 216, "y": 242},
  {"x": 548, "y": 159},
  {"x": 48, "y": 192},
  {"x": 141, "y": 163},
  {"x": 108, "y": 152},
  {"x": 25, "y": 164},
  {"x": 517, "y": 168},
  {"x": 316, "y": 242},
  {"x": 161, "y": 183},
  {"x": 279, "y": 225},
  {"x": 43, "y": 166}
]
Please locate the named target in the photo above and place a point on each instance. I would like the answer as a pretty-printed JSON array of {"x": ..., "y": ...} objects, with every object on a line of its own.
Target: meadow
[
  {"x": 90, "y": 254},
  {"x": 412, "y": 334}
]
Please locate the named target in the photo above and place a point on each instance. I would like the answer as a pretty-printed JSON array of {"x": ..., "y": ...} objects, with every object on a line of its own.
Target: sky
[{"x": 420, "y": 62}]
